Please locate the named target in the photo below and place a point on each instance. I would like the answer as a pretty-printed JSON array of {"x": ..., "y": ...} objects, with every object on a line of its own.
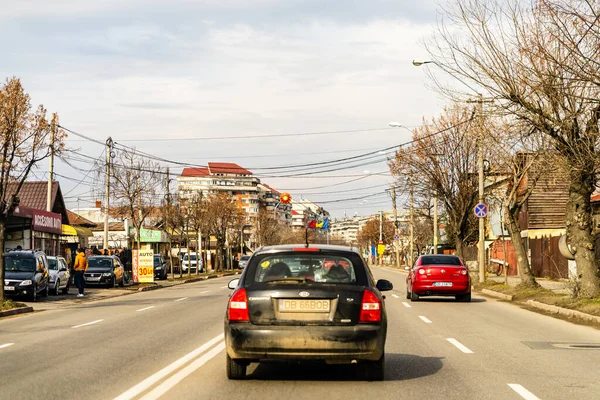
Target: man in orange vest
[{"x": 80, "y": 266}]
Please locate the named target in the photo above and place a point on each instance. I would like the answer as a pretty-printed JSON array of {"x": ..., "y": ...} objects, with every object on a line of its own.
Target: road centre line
[
  {"x": 5, "y": 345},
  {"x": 206, "y": 291},
  {"x": 144, "y": 309},
  {"x": 524, "y": 393},
  {"x": 224, "y": 287},
  {"x": 158, "y": 376},
  {"x": 179, "y": 376},
  {"x": 406, "y": 304},
  {"x": 181, "y": 299},
  {"x": 396, "y": 296},
  {"x": 87, "y": 324},
  {"x": 425, "y": 319},
  {"x": 460, "y": 346}
]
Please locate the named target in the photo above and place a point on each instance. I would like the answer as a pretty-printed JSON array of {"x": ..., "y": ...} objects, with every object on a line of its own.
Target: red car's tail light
[
  {"x": 421, "y": 271},
  {"x": 370, "y": 309},
  {"x": 238, "y": 306},
  {"x": 464, "y": 272}
]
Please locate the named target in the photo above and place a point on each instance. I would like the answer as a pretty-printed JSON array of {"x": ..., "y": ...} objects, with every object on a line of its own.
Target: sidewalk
[{"x": 559, "y": 287}]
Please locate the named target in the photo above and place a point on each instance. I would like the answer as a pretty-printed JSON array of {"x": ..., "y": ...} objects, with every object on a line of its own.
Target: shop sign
[{"x": 44, "y": 221}]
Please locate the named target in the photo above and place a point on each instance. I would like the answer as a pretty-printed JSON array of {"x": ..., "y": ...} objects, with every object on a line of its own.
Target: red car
[{"x": 438, "y": 275}]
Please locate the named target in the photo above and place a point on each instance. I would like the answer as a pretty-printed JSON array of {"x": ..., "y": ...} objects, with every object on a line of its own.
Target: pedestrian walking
[{"x": 80, "y": 266}]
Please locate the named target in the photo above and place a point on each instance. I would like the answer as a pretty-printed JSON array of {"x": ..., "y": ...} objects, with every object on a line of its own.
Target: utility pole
[
  {"x": 412, "y": 219},
  {"x": 51, "y": 166},
  {"x": 168, "y": 201},
  {"x": 109, "y": 145},
  {"x": 435, "y": 222},
  {"x": 380, "y": 236},
  {"x": 396, "y": 232},
  {"x": 481, "y": 247}
]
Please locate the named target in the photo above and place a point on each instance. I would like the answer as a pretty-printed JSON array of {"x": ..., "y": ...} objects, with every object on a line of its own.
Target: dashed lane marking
[
  {"x": 5, "y": 345},
  {"x": 181, "y": 299},
  {"x": 396, "y": 296},
  {"x": 460, "y": 346},
  {"x": 524, "y": 393},
  {"x": 206, "y": 291},
  {"x": 144, "y": 309},
  {"x": 87, "y": 324},
  {"x": 406, "y": 304},
  {"x": 425, "y": 319}
]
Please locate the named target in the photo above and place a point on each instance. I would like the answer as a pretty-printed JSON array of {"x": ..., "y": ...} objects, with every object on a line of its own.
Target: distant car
[
  {"x": 438, "y": 275},
  {"x": 160, "y": 267},
  {"x": 26, "y": 274},
  {"x": 186, "y": 264},
  {"x": 336, "y": 315},
  {"x": 59, "y": 275},
  {"x": 243, "y": 262},
  {"x": 105, "y": 270}
]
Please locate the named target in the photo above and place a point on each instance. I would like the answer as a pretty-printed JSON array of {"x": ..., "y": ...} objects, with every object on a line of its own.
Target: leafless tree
[
  {"x": 24, "y": 142},
  {"x": 226, "y": 215},
  {"x": 516, "y": 53},
  {"x": 135, "y": 180}
]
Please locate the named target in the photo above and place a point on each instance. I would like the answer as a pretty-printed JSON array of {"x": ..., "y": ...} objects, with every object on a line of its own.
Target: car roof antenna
[{"x": 306, "y": 236}]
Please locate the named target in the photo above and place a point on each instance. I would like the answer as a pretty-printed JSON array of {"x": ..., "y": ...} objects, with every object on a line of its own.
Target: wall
[{"x": 546, "y": 260}]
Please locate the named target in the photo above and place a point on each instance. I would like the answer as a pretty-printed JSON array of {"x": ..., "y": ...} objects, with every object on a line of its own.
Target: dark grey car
[{"x": 293, "y": 303}]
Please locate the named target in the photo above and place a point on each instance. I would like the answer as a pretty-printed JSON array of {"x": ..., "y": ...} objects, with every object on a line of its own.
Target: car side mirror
[
  {"x": 233, "y": 283},
  {"x": 62, "y": 270},
  {"x": 384, "y": 285},
  {"x": 407, "y": 268}
]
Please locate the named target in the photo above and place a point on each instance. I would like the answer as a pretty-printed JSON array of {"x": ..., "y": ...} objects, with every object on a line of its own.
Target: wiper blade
[{"x": 303, "y": 280}]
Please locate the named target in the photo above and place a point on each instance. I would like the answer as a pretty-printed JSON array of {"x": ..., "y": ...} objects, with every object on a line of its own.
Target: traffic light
[{"x": 285, "y": 198}]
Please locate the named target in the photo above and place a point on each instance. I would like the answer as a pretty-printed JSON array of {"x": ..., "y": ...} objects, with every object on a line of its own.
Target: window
[
  {"x": 19, "y": 264},
  {"x": 440, "y": 260}
]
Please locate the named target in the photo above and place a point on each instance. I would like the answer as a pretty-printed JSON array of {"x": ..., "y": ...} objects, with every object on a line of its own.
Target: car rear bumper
[
  {"x": 426, "y": 288},
  {"x": 330, "y": 343}
]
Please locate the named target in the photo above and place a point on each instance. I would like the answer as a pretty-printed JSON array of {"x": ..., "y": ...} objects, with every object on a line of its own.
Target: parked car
[
  {"x": 243, "y": 261},
  {"x": 438, "y": 275},
  {"x": 160, "y": 267},
  {"x": 336, "y": 315},
  {"x": 26, "y": 274},
  {"x": 185, "y": 263},
  {"x": 105, "y": 270},
  {"x": 59, "y": 274}
]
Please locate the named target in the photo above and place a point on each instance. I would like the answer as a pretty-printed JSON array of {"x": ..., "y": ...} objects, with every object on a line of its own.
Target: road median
[{"x": 9, "y": 307}]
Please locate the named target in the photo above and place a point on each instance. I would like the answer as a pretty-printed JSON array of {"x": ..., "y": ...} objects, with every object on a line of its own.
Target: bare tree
[
  {"x": 199, "y": 221},
  {"x": 24, "y": 141},
  {"x": 135, "y": 180},
  {"x": 517, "y": 53},
  {"x": 369, "y": 233},
  {"x": 270, "y": 230},
  {"x": 226, "y": 215},
  {"x": 442, "y": 158}
]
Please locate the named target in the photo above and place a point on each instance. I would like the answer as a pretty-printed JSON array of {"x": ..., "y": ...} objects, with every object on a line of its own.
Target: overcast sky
[{"x": 167, "y": 69}]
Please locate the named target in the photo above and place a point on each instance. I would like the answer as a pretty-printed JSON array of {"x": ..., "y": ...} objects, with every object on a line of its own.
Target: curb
[
  {"x": 566, "y": 312},
  {"x": 16, "y": 311},
  {"x": 148, "y": 288},
  {"x": 497, "y": 295}
]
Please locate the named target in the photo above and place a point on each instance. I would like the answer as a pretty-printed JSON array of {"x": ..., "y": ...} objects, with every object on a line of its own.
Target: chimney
[{"x": 98, "y": 204}]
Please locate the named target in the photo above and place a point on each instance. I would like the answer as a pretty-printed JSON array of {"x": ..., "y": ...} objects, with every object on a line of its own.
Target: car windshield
[
  {"x": 440, "y": 260},
  {"x": 192, "y": 257},
  {"x": 18, "y": 264},
  {"x": 245, "y": 258},
  {"x": 307, "y": 268},
  {"x": 157, "y": 261},
  {"x": 103, "y": 263},
  {"x": 53, "y": 263}
]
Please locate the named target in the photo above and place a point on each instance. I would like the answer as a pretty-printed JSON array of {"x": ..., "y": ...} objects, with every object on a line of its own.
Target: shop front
[{"x": 35, "y": 229}]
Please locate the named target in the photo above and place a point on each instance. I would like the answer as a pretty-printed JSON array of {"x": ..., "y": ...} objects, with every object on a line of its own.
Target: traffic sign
[
  {"x": 381, "y": 242},
  {"x": 396, "y": 237},
  {"x": 481, "y": 210}
]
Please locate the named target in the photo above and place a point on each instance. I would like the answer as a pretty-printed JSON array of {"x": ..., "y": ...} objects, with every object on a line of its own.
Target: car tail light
[
  {"x": 238, "y": 306},
  {"x": 370, "y": 309},
  {"x": 464, "y": 272},
  {"x": 421, "y": 271}
]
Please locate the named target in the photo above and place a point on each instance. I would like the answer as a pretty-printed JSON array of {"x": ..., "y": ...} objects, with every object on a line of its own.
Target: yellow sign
[
  {"x": 380, "y": 249},
  {"x": 145, "y": 266}
]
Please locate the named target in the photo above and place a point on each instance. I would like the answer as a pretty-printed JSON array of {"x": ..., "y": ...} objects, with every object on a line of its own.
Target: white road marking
[
  {"x": 425, "y": 319},
  {"x": 460, "y": 346},
  {"x": 158, "y": 376},
  {"x": 5, "y": 345},
  {"x": 87, "y": 324},
  {"x": 206, "y": 291},
  {"x": 144, "y": 309},
  {"x": 224, "y": 287},
  {"x": 181, "y": 299},
  {"x": 524, "y": 393},
  {"x": 396, "y": 296},
  {"x": 179, "y": 376},
  {"x": 406, "y": 304}
]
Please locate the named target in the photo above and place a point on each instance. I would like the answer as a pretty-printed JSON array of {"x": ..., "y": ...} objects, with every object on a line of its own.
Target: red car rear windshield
[
  {"x": 318, "y": 268},
  {"x": 440, "y": 260}
]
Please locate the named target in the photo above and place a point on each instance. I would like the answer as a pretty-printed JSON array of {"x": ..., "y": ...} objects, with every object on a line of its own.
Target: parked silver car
[{"x": 59, "y": 274}]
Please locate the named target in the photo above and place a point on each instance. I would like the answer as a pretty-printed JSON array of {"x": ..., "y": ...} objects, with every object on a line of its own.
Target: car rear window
[
  {"x": 100, "y": 263},
  {"x": 440, "y": 260},
  {"x": 318, "y": 268}
]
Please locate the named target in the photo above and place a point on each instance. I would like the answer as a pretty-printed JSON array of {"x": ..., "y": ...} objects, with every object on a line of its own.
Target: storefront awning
[{"x": 68, "y": 230}]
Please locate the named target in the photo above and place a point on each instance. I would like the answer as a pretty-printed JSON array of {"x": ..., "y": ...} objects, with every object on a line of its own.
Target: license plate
[
  {"x": 289, "y": 305},
  {"x": 9, "y": 288},
  {"x": 92, "y": 279},
  {"x": 442, "y": 283}
]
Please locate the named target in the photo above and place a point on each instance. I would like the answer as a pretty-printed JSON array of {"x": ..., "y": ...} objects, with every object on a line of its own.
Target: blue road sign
[
  {"x": 481, "y": 210},
  {"x": 396, "y": 237}
]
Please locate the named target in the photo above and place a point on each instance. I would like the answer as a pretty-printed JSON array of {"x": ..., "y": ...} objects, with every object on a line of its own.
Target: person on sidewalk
[{"x": 80, "y": 266}]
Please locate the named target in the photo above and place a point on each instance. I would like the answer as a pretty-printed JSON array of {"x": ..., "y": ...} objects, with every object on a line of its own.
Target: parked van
[
  {"x": 185, "y": 263},
  {"x": 26, "y": 274}
]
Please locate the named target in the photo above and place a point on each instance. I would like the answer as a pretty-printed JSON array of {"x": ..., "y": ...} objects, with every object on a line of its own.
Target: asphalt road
[{"x": 168, "y": 344}]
